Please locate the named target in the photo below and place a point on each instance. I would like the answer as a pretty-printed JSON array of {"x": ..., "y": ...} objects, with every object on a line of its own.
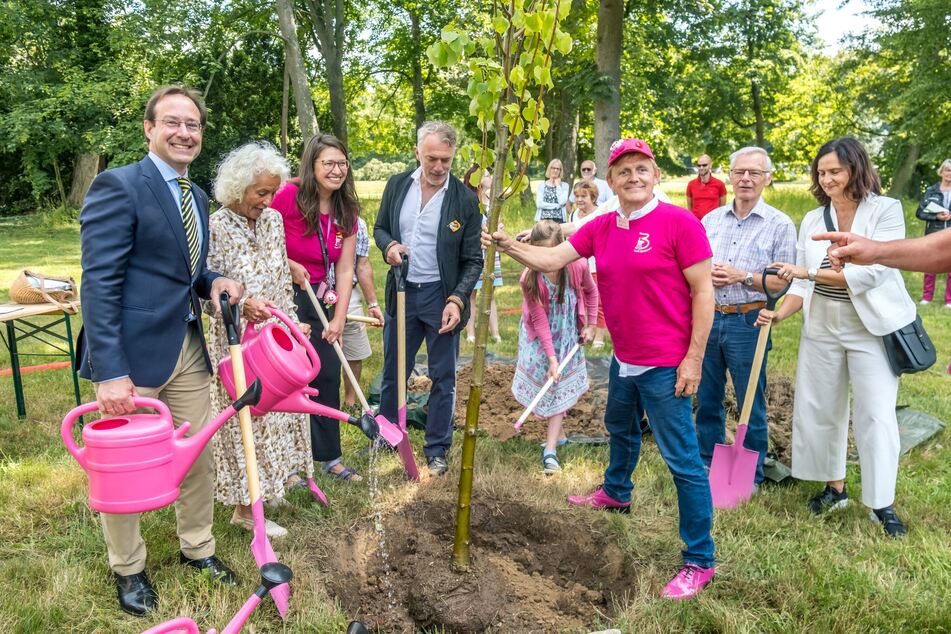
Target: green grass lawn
[{"x": 780, "y": 569}]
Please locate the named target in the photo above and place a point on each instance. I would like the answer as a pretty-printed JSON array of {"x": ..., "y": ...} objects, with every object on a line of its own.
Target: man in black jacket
[{"x": 429, "y": 215}]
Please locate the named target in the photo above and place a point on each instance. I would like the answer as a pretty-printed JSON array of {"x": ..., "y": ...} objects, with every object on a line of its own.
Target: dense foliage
[{"x": 695, "y": 76}]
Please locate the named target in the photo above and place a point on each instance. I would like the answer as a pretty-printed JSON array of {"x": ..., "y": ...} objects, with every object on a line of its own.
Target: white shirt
[{"x": 419, "y": 226}]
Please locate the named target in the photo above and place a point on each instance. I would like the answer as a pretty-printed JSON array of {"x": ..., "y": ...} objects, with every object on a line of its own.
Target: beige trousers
[
  {"x": 837, "y": 353},
  {"x": 187, "y": 395}
]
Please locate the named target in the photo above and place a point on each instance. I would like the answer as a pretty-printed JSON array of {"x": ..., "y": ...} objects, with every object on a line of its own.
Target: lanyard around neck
[{"x": 323, "y": 244}]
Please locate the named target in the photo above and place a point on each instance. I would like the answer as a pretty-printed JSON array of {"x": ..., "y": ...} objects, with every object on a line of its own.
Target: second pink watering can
[
  {"x": 136, "y": 462},
  {"x": 286, "y": 365}
]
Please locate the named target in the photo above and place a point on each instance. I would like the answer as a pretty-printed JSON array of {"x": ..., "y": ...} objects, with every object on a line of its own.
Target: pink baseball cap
[{"x": 626, "y": 146}]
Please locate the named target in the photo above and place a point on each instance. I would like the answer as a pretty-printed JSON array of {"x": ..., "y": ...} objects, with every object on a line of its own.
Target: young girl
[
  {"x": 585, "y": 196},
  {"x": 556, "y": 313}
]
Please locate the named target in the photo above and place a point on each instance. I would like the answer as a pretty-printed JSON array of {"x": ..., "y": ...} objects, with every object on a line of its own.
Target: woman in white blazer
[{"x": 845, "y": 315}]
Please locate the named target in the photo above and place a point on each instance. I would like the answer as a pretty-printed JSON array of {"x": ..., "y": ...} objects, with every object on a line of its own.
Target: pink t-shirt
[
  {"x": 646, "y": 298},
  {"x": 305, "y": 249}
]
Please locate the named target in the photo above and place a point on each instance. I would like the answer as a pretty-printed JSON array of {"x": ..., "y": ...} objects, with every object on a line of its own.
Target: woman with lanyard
[
  {"x": 654, "y": 277},
  {"x": 320, "y": 211}
]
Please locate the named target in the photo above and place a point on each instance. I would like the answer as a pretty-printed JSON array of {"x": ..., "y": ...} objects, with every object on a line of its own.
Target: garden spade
[
  {"x": 547, "y": 386},
  {"x": 405, "y": 448},
  {"x": 260, "y": 546},
  {"x": 390, "y": 432},
  {"x": 733, "y": 467}
]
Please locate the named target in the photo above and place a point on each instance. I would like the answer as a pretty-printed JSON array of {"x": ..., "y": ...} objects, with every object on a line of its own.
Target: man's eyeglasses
[
  {"x": 754, "y": 174},
  {"x": 587, "y": 169},
  {"x": 703, "y": 165},
  {"x": 330, "y": 165},
  {"x": 193, "y": 127}
]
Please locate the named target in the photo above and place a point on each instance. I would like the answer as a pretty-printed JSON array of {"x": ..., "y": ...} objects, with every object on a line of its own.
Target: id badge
[
  {"x": 321, "y": 289},
  {"x": 623, "y": 223}
]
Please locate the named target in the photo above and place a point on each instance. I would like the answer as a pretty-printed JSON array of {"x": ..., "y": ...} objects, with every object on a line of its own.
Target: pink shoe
[
  {"x": 689, "y": 581},
  {"x": 601, "y": 501}
]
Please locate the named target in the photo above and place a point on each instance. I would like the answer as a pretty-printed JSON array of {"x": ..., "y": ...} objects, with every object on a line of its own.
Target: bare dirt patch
[
  {"x": 499, "y": 409},
  {"x": 532, "y": 570}
]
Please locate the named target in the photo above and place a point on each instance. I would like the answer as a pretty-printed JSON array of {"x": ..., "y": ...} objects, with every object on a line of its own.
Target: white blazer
[{"x": 878, "y": 292}]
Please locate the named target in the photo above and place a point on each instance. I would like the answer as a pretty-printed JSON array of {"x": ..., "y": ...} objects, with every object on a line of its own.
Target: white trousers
[{"x": 836, "y": 353}]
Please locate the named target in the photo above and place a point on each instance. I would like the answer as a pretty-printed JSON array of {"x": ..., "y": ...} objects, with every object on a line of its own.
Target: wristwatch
[
  {"x": 812, "y": 273},
  {"x": 372, "y": 305},
  {"x": 748, "y": 281}
]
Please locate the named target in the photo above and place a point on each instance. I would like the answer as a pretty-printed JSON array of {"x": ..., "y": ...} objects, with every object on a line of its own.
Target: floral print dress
[
  {"x": 258, "y": 259},
  {"x": 531, "y": 370}
]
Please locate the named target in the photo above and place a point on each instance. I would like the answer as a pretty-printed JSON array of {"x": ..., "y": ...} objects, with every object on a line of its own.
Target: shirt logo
[
  {"x": 643, "y": 243},
  {"x": 338, "y": 241},
  {"x": 455, "y": 226}
]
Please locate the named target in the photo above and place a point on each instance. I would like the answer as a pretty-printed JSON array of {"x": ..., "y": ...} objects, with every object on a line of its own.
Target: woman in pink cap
[{"x": 654, "y": 278}]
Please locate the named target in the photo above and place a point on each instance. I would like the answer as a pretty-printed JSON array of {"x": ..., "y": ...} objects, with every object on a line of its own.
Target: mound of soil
[
  {"x": 499, "y": 409},
  {"x": 532, "y": 570}
]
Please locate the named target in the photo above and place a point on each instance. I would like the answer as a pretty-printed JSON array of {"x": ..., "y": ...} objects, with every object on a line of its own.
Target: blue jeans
[
  {"x": 424, "y": 306},
  {"x": 672, "y": 426},
  {"x": 730, "y": 347}
]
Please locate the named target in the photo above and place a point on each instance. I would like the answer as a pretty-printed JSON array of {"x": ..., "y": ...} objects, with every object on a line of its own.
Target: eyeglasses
[
  {"x": 587, "y": 169},
  {"x": 330, "y": 165},
  {"x": 193, "y": 127},
  {"x": 703, "y": 165},
  {"x": 754, "y": 174}
]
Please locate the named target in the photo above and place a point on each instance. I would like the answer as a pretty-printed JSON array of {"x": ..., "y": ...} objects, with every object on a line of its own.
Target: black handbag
[{"x": 909, "y": 348}]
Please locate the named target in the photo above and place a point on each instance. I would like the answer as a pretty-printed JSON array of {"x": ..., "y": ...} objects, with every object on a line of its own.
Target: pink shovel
[
  {"x": 391, "y": 434},
  {"x": 733, "y": 467},
  {"x": 260, "y": 546}
]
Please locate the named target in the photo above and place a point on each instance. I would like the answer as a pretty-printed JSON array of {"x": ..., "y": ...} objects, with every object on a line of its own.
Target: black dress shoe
[
  {"x": 136, "y": 594},
  {"x": 215, "y": 567}
]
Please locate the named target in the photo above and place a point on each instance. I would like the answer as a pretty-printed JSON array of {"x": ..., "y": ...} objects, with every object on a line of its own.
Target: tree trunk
[
  {"x": 419, "y": 104},
  {"x": 607, "y": 109},
  {"x": 567, "y": 137},
  {"x": 295, "y": 64},
  {"x": 902, "y": 178},
  {"x": 85, "y": 168},
  {"x": 327, "y": 28},
  {"x": 758, "y": 114},
  {"x": 285, "y": 107}
]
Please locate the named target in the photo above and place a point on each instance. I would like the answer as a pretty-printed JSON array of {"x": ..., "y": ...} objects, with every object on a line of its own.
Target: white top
[
  {"x": 419, "y": 226},
  {"x": 878, "y": 292}
]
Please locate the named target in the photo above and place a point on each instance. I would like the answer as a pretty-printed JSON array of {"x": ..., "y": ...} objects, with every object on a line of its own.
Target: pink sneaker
[
  {"x": 601, "y": 501},
  {"x": 688, "y": 582}
]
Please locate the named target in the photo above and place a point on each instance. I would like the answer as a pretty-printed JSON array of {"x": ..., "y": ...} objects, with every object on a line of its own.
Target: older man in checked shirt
[{"x": 745, "y": 236}]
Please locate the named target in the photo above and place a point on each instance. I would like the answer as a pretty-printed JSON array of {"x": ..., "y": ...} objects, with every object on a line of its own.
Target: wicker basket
[{"x": 31, "y": 287}]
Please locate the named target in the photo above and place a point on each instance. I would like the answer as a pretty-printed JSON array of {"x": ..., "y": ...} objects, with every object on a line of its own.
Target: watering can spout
[{"x": 188, "y": 449}]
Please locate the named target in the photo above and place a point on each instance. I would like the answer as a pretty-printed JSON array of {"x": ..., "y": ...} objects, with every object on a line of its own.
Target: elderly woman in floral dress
[{"x": 247, "y": 241}]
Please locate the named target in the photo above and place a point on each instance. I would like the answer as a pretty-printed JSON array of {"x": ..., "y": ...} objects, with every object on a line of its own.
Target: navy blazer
[{"x": 137, "y": 287}]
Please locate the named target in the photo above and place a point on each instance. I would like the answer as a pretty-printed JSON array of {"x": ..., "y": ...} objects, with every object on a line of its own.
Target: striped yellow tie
[{"x": 190, "y": 223}]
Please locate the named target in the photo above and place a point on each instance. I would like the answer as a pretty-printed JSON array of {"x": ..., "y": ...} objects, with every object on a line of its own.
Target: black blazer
[
  {"x": 137, "y": 287},
  {"x": 458, "y": 246}
]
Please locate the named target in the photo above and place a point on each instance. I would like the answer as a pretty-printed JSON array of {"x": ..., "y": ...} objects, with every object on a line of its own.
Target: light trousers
[
  {"x": 186, "y": 392},
  {"x": 836, "y": 353}
]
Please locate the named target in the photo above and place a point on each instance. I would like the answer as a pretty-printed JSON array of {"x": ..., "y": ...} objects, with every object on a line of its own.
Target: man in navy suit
[{"x": 144, "y": 232}]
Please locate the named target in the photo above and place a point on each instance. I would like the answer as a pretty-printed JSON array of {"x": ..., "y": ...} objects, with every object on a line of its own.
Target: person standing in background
[
  {"x": 934, "y": 210},
  {"x": 706, "y": 192}
]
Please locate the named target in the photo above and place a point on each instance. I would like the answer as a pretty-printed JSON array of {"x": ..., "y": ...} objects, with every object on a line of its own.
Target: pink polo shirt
[
  {"x": 305, "y": 249},
  {"x": 646, "y": 298}
]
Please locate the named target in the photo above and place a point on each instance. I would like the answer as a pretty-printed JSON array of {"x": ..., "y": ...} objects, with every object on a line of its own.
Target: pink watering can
[
  {"x": 286, "y": 365},
  {"x": 136, "y": 462}
]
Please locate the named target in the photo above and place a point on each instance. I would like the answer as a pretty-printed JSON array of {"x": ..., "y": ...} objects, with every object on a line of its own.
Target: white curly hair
[{"x": 238, "y": 170}]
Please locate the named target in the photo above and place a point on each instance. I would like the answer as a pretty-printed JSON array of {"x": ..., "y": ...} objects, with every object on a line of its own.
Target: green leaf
[
  {"x": 517, "y": 78},
  {"x": 499, "y": 23},
  {"x": 562, "y": 42}
]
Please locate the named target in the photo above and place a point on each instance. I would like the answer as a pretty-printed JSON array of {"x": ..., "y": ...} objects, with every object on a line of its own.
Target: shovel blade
[
  {"x": 389, "y": 432},
  {"x": 318, "y": 494},
  {"x": 264, "y": 554},
  {"x": 732, "y": 472},
  {"x": 406, "y": 449}
]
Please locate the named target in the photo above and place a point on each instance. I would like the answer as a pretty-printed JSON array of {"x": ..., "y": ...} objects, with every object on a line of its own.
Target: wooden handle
[
  {"x": 547, "y": 386},
  {"x": 247, "y": 432},
  {"x": 336, "y": 344},
  {"x": 363, "y": 319},
  {"x": 754, "y": 374}
]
